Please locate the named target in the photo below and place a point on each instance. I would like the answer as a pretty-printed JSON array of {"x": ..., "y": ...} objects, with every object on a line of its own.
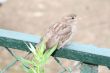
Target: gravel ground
[{"x": 34, "y": 17}]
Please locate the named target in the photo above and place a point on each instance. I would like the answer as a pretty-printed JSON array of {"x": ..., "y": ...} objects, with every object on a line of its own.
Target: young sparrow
[{"x": 61, "y": 32}]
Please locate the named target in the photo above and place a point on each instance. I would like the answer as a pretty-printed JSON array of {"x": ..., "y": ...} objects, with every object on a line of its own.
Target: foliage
[{"x": 40, "y": 58}]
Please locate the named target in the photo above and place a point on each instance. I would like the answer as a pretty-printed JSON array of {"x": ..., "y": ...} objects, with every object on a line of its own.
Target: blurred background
[{"x": 34, "y": 17}]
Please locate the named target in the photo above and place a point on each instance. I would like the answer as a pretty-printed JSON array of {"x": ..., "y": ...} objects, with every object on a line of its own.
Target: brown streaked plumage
[{"x": 60, "y": 32}]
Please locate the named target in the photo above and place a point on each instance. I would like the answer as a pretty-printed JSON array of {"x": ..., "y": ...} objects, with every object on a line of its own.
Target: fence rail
[{"x": 90, "y": 55}]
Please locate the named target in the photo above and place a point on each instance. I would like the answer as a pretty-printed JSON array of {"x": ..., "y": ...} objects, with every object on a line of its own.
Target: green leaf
[
  {"x": 40, "y": 57},
  {"x": 49, "y": 52},
  {"x": 32, "y": 48},
  {"x": 42, "y": 47},
  {"x": 24, "y": 61}
]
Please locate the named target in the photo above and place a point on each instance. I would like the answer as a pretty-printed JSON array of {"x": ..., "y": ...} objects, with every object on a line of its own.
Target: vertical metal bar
[{"x": 89, "y": 68}]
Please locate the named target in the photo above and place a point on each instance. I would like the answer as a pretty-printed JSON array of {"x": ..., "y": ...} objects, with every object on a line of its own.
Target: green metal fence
[{"x": 90, "y": 55}]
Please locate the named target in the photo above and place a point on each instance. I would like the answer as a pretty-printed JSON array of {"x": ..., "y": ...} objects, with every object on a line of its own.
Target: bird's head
[{"x": 69, "y": 18}]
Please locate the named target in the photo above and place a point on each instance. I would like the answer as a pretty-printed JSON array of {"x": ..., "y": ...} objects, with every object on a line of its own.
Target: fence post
[{"x": 88, "y": 68}]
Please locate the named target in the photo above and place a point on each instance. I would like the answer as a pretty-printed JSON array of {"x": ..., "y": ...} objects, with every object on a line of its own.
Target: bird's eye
[{"x": 72, "y": 17}]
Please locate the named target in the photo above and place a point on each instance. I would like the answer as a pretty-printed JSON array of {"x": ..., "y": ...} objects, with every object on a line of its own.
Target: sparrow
[{"x": 61, "y": 32}]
